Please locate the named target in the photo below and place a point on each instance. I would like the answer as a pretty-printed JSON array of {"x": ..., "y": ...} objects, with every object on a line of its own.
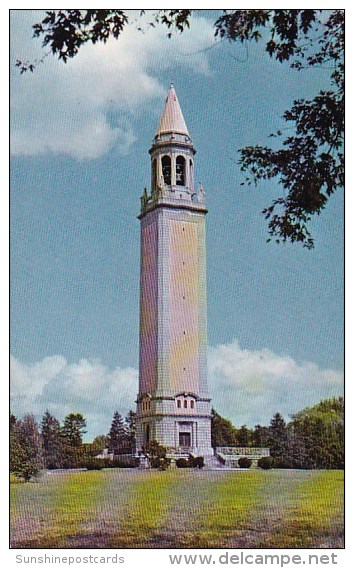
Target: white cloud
[
  {"x": 250, "y": 386},
  {"x": 246, "y": 386},
  {"x": 87, "y": 387},
  {"x": 87, "y": 106}
]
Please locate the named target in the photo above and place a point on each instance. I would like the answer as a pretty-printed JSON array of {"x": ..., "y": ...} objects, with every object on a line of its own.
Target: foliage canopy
[{"x": 308, "y": 164}]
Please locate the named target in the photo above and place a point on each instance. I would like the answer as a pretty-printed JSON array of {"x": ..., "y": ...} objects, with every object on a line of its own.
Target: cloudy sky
[{"x": 80, "y": 136}]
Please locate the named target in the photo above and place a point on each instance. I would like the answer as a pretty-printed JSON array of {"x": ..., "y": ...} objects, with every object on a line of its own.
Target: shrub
[
  {"x": 199, "y": 462},
  {"x": 162, "y": 463},
  {"x": 282, "y": 463},
  {"x": 265, "y": 463},
  {"x": 244, "y": 463},
  {"x": 93, "y": 463},
  {"x": 126, "y": 462},
  {"x": 182, "y": 462},
  {"x": 195, "y": 461},
  {"x": 157, "y": 455}
]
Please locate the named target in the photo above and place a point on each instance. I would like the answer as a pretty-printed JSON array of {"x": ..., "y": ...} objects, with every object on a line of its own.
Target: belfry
[{"x": 173, "y": 406}]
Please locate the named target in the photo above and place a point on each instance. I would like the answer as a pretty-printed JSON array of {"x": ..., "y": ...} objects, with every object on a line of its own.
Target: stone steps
[{"x": 212, "y": 462}]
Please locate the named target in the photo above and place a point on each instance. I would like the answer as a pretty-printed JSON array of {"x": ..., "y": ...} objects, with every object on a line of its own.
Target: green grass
[
  {"x": 228, "y": 509},
  {"x": 57, "y": 507},
  {"x": 149, "y": 507},
  {"x": 72, "y": 507},
  {"x": 315, "y": 514},
  {"x": 179, "y": 509}
]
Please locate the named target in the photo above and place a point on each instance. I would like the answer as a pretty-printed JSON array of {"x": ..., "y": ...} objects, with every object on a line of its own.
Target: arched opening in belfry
[
  {"x": 180, "y": 170},
  {"x": 166, "y": 169},
  {"x": 154, "y": 173}
]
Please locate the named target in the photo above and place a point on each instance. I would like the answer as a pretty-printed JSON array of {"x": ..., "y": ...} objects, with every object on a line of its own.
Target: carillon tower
[{"x": 173, "y": 406}]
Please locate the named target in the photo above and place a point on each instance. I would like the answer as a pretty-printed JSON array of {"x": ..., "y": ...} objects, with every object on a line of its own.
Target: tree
[
  {"x": 15, "y": 450},
  {"x": 298, "y": 454},
  {"x": 13, "y": 421},
  {"x": 26, "y": 455},
  {"x": 73, "y": 429},
  {"x": 130, "y": 421},
  {"x": 319, "y": 432},
  {"x": 223, "y": 433},
  {"x": 310, "y": 165},
  {"x": 118, "y": 436},
  {"x": 17, "y": 453},
  {"x": 260, "y": 436},
  {"x": 244, "y": 436},
  {"x": 65, "y": 31},
  {"x": 52, "y": 441},
  {"x": 72, "y": 432},
  {"x": 99, "y": 444},
  {"x": 278, "y": 441}
]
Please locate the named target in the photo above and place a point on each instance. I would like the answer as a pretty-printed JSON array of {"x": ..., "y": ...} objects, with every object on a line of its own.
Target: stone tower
[{"x": 173, "y": 406}]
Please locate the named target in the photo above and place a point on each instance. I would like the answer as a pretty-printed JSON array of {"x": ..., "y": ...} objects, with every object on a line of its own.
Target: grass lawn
[{"x": 179, "y": 509}]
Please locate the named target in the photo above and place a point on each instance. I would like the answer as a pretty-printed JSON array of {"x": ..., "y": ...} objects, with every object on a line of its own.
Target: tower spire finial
[{"x": 172, "y": 119}]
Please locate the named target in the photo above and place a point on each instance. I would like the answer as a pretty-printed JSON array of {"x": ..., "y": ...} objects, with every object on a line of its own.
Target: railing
[
  {"x": 235, "y": 452},
  {"x": 169, "y": 195},
  {"x": 180, "y": 452},
  {"x": 230, "y": 456}
]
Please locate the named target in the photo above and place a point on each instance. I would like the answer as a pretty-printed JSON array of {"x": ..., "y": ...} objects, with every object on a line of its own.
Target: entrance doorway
[
  {"x": 146, "y": 433},
  {"x": 184, "y": 439}
]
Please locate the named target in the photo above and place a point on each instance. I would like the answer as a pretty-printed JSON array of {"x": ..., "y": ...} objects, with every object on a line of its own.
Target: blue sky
[{"x": 80, "y": 139}]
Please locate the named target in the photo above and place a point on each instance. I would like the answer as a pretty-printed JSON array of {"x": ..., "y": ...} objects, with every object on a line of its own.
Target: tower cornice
[
  {"x": 168, "y": 144},
  {"x": 196, "y": 208}
]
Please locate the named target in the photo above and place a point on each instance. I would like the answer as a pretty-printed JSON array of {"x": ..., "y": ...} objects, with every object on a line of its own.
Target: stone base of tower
[{"x": 179, "y": 435}]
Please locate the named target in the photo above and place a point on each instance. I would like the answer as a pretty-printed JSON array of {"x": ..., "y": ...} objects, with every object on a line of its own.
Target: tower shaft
[{"x": 173, "y": 407}]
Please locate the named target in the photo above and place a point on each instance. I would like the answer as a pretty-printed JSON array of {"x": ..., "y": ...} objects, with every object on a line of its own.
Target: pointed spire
[{"x": 172, "y": 118}]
